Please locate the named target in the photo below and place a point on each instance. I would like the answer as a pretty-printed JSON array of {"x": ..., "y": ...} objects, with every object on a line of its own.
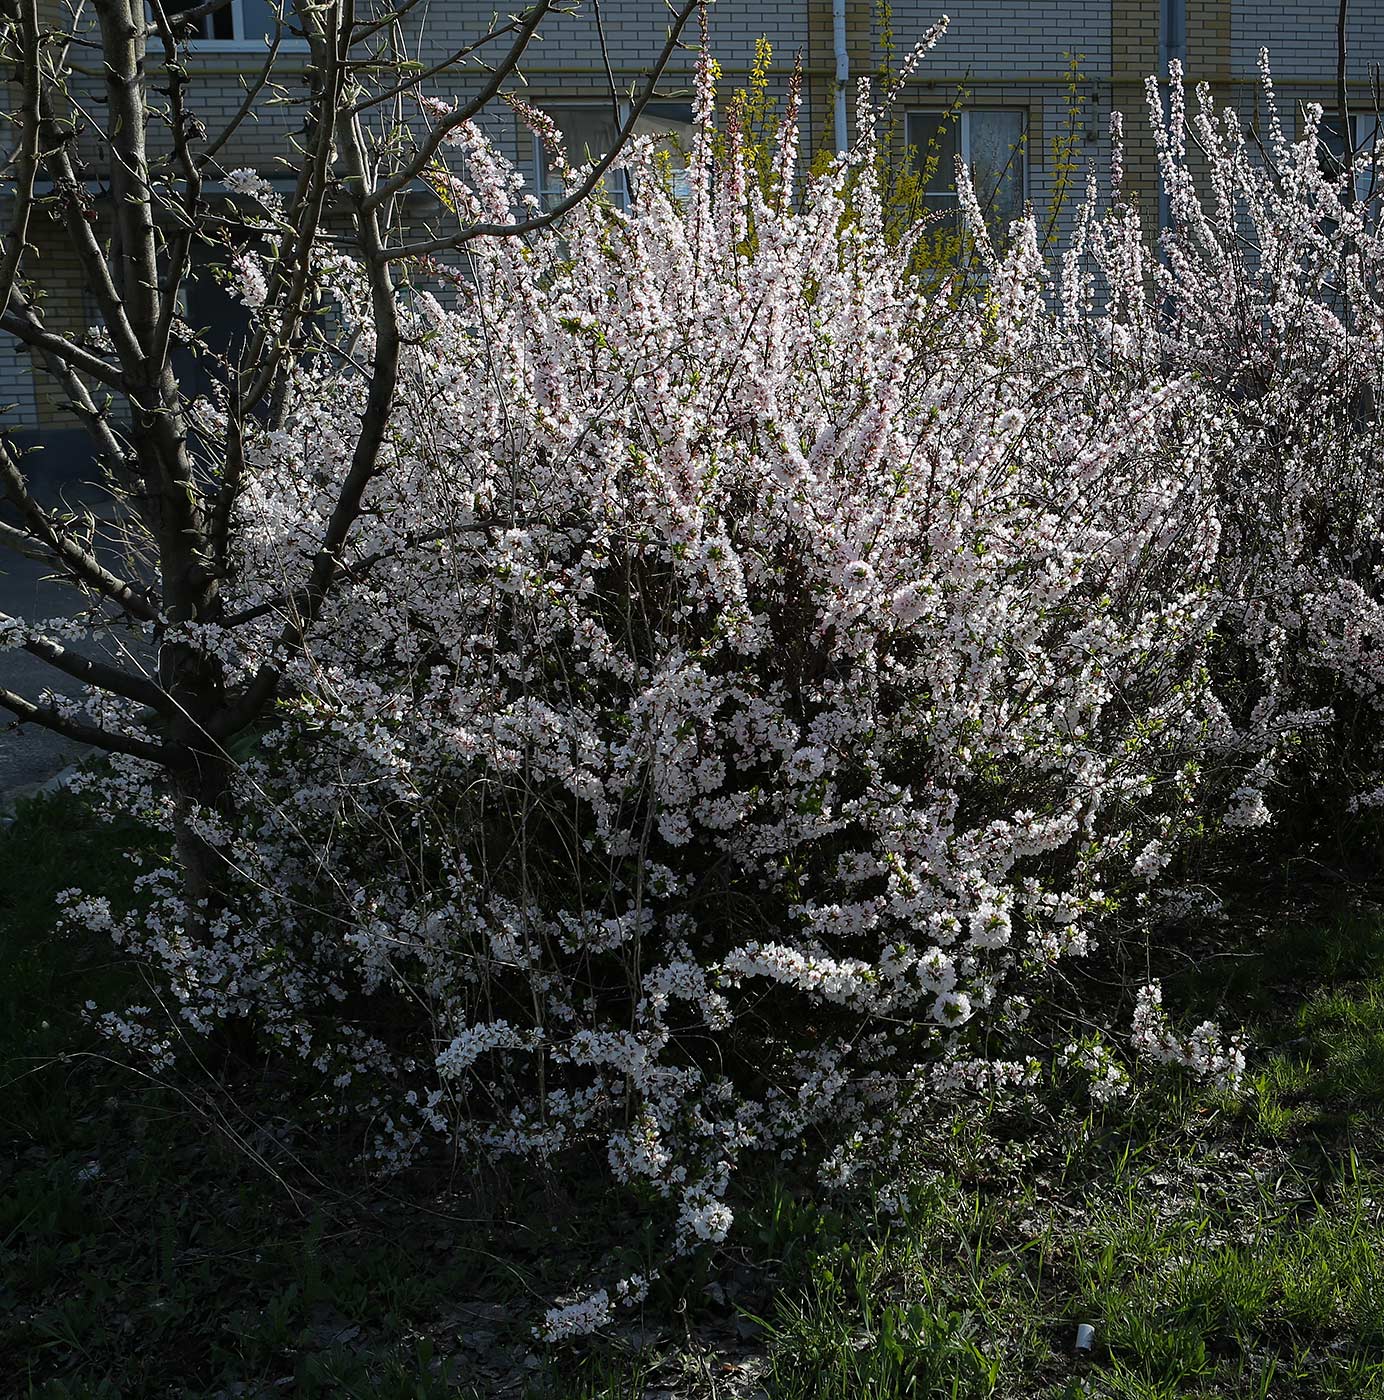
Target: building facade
[{"x": 1016, "y": 75}]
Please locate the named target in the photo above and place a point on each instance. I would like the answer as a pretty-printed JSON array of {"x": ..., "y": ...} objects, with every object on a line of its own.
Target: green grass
[
  {"x": 1248, "y": 1287},
  {"x": 1219, "y": 1248},
  {"x": 187, "y": 1239}
]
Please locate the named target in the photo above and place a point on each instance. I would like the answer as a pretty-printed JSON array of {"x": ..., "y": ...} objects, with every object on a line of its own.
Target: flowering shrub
[
  {"x": 1266, "y": 293},
  {"x": 757, "y": 670}
]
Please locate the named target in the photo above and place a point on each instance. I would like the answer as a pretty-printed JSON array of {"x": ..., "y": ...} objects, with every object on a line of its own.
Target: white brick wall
[
  {"x": 1019, "y": 45},
  {"x": 1301, "y": 39},
  {"x": 565, "y": 63},
  {"x": 16, "y": 385},
  {"x": 1008, "y": 53}
]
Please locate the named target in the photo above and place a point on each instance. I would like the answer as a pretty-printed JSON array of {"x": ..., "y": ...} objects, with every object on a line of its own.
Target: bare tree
[{"x": 108, "y": 137}]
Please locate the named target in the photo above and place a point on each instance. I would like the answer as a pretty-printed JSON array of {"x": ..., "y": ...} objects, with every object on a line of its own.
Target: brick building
[{"x": 1009, "y": 65}]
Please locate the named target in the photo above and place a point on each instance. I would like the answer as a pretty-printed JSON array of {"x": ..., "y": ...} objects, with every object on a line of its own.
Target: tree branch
[
  {"x": 194, "y": 14},
  {"x": 365, "y": 457},
  {"x": 291, "y": 270},
  {"x": 92, "y": 672},
  {"x": 30, "y": 85},
  {"x": 489, "y": 90},
  {"x": 33, "y": 333},
  {"x": 252, "y": 92},
  {"x": 1343, "y": 104},
  {"x": 83, "y": 733},
  {"x": 452, "y": 59},
  {"x": 76, "y": 561},
  {"x": 454, "y": 242}
]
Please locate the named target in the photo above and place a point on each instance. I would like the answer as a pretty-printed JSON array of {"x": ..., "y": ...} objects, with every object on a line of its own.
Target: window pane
[
  {"x": 1369, "y": 154},
  {"x": 670, "y": 123},
  {"x": 220, "y": 319},
  {"x": 588, "y": 132},
  {"x": 934, "y": 138},
  {"x": 219, "y": 25},
  {"x": 1331, "y": 147},
  {"x": 1331, "y": 150},
  {"x": 260, "y": 18},
  {"x": 997, "y": 164}
]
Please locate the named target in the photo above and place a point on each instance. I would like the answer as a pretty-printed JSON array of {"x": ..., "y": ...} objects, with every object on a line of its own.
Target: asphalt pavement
[{"x": 29, "y": 754}]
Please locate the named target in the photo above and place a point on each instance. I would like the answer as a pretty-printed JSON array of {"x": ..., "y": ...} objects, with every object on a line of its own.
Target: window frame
[
  {"x": 542, "y": 171},
  {"x": 1368, "y": 137},
  {"x": 963, "y": 146},
  {"x": 290, "y": 43}
]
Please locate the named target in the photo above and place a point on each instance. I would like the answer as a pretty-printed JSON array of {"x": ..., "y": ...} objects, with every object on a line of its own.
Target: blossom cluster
[{"x": 1204, "y": 1051}]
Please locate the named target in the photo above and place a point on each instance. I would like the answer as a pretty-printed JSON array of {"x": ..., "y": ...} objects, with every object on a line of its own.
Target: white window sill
[{"x": 214, "y": 47}]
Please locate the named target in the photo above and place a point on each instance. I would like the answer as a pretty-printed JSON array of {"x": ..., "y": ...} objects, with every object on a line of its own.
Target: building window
[
  {"x": 589, "y": 130},
  {"x": 240, "y": 24},
  {"x": 991, "y": 141},
  {"x": 1331, "y": 150}
]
